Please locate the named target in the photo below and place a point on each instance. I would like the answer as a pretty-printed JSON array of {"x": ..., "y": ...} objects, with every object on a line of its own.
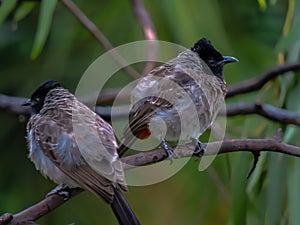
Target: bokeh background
[{"x": 261, "y": 34}]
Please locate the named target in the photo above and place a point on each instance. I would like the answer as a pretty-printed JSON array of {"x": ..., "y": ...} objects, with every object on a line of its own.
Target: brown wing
[
  {"x": 143, "y": 111},
  {"x": 60, "y": 147},
  {"x": 97, "y": 144},
  {"x": 139, "y": 118}
]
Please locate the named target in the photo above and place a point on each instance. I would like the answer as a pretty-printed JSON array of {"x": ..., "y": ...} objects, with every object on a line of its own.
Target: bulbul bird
[
  {"x": 75, "y": 147},
  {"x": 179, "y": 100}
]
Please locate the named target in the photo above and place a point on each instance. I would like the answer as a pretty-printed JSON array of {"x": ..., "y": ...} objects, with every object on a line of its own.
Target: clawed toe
[
  {"x": 168, "y": 150},
  {"x": 199, "y": 149},
  {"x": 61, "y": 190}
]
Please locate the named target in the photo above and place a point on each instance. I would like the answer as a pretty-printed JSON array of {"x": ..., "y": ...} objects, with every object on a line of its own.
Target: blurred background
[{"x": 261, "y": 34}]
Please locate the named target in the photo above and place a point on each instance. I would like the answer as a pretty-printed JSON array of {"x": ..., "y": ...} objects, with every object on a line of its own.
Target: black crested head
[
  {"x": 38, "y": 97},
  {"x": 212, "y": 57}
]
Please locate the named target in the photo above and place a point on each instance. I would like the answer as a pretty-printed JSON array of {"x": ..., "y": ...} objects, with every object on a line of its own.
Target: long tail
[
  {"x": 122, "y": 149},
  {"x": 122, "y": 209}
]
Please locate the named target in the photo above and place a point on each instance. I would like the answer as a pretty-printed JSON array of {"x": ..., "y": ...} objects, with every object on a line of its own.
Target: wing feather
[{"x": 59, "y": 146}]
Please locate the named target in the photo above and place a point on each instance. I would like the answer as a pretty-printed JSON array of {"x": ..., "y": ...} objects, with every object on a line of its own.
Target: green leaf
[
  {"x": 24, "y": 9},
  {"x": 262, "y": 4},
  {"x": 285, "y": 43},
  {"x": 293, "y": 192},
  {"x": 276, "y": 188},
  {"x": 45, "y": 19},
  {"x": 6, "y": 8},
  {"x": 240, "y": 168},
  {"x": 292, "y": 136},
  {"x": 293, "y": 37}
]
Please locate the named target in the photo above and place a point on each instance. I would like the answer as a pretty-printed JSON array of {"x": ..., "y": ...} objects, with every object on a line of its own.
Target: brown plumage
[
  {"x": 75, "y": 147},
  {"x": 185, "y": 93}
]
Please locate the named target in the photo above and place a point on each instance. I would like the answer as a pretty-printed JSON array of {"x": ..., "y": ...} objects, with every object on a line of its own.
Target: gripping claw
[
  {"x": 199, "y": 149},
  {"x": 168, "y": 150},
  {"x": 61, "y": 190}
]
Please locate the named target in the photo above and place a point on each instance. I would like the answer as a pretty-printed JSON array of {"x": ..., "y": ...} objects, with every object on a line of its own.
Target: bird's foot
[
  {"x": 168, "y": 150},
  {"x": 199, "y": 149},
  {"x": 61, "y": 190}
]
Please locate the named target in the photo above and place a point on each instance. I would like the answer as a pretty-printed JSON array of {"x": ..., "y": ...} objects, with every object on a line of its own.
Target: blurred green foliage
[{"x": 258, "y": 33}]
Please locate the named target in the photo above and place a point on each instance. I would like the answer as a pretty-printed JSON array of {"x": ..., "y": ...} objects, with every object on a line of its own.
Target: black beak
[
  {"x": 27, "y": 102},
  {"x": 229, "y": 59}
]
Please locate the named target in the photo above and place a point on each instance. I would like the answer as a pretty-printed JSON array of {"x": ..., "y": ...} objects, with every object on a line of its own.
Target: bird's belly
[
  {"x": 180, "y": 125},
  {"x": 47, "y": 168}
]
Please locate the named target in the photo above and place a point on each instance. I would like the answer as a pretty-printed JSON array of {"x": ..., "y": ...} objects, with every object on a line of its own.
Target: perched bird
[
  {"x": 75, "y": 147},
  {"x": 179, "y": 100}
]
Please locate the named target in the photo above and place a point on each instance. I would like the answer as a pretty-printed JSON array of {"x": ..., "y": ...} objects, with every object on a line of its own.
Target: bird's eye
[
  {"x": 211, "y": 61},
  {"x": 37, "y": 99}
]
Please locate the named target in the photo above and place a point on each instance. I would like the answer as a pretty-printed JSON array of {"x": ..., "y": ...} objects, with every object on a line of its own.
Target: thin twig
[
  {"x": 256, "y": 156},
  {"x": 146, "y": 23},
  {"x": 100, "y": 37},
  {"x": 268, "y": 111},
  {"x": 108, "y": 96},
  {"x": 257, "y": 83}
]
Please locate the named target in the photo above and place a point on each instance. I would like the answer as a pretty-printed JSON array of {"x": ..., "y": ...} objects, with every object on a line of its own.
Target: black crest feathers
[
  {"x": 38, "y": 97},
  {"x": 42, "y": 91},
  {"x": 206, "y": 51}
]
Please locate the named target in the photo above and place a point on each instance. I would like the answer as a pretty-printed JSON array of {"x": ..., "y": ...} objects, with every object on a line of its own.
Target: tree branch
[
  {"x": 143, "y": 19},
  {"x": 273, "y": 144},
  {"x": 6, "y": 218},
  {"x": 100, "y": 37},
  {"x": 255, "y": 146},
  {"x": 42, "y": 208},
  {"x": 268, "y": 111},
  {"x": 13, "y": 106},
  {"x": 257, "y": 83},
  {"x": 146, "y": 23},
  {"x": 235, "y": 109}
]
